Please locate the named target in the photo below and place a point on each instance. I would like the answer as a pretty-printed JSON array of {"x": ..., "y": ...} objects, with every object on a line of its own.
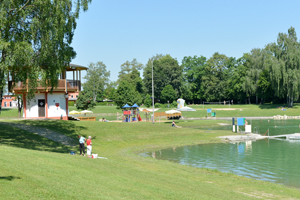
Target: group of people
[{"x": 88, "y": 142}]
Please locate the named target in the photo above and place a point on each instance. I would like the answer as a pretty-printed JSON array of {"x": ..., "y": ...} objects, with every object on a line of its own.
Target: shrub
[
  {"x": 157, "y": 105},
  {"x": 174, "y": 104},
  {"x": 71, "y": 103}
]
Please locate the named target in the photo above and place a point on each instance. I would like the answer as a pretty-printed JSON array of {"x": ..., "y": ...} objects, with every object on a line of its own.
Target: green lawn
[
  {"x": 33, "y": 167},
  {"x": 244, "y": 110}
]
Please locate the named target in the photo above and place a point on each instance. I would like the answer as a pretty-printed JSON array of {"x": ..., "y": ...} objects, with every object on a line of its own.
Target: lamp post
[{"x": 152, "y": 95}]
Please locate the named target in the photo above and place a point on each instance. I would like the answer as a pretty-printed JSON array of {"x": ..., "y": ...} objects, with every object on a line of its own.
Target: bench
[{"x": 87, "y": 118}]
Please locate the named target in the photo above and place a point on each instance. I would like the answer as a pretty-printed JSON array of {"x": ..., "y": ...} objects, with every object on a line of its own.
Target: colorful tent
[{"x": 126, "y": 106}]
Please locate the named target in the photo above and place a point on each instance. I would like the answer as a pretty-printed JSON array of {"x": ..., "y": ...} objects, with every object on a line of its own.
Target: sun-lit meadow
[{"x": 33, "y": 167}]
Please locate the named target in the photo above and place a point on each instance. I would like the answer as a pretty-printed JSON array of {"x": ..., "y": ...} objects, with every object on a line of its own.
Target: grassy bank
[{"x": 34, "y": 169}]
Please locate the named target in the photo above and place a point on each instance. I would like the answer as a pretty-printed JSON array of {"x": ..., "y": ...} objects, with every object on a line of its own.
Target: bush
[
  {"x": 174, "y": 104},
  {"x": 157, "y": 105},
  {"x": 71, "y": 103}
]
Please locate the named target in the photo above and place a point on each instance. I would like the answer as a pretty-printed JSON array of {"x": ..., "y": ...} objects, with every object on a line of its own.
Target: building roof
[{"x": 73, "y": 67}]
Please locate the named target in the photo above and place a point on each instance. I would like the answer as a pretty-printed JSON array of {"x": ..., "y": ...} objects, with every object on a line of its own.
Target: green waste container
[{"x": 213, "y": 114}]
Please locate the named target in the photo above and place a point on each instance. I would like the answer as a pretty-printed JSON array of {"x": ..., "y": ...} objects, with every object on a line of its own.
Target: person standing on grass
[
  {"x": 89, "y": 146},
  {"x": 81, "y": 145}
]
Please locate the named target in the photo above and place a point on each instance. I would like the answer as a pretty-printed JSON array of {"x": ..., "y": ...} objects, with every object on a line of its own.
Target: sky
[{"x": 114, "y": 31}]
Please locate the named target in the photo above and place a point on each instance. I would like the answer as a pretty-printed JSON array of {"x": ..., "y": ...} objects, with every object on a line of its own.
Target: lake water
[{"x": 271, "y": 160}]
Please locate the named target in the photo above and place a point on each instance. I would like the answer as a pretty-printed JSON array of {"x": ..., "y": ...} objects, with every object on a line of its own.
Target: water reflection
[{"x": 275, "y": 161}]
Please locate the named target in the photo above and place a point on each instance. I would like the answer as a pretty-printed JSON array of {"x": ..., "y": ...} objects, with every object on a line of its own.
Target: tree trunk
[
  {"x": 1, "y": 95},
  {"x": 256, "y": 99},
  {"x": 249, "y": 100},
  {"x": 20, "y": 105}
]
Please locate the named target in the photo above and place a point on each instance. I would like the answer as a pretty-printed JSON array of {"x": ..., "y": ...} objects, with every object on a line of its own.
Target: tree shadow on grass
[
  {"x": 278, "y": 106},
  {"x": 68, "y": 128},
  {"x": 20, "y": 138},
  {"x": 9, "y": 178}
]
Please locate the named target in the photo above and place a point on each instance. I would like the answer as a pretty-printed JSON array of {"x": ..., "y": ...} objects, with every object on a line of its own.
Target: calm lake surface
[{"x": 273, "y": 160}]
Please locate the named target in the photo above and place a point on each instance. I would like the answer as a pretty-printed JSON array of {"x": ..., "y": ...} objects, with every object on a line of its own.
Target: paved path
[{"x": 51, "y": 135}]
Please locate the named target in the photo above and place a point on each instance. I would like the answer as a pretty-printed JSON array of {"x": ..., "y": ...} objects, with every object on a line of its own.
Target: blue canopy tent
[
  {"x": 126, "y": 106},
  {"x": 135, "y": 106}
]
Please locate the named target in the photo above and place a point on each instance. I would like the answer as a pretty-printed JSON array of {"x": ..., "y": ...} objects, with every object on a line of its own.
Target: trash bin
[{"x": 213, "y": 114}]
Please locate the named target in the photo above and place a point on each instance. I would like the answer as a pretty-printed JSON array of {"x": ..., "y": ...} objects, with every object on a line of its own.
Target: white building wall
[
  {"x": 54, "y": 111},
  {"x": 32, "y": 107}
]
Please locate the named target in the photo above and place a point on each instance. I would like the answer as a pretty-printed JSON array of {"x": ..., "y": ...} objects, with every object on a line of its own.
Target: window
[
  {"x": 10, "y": 104},
  {"x": 76, "y": 96},
  {"x": 71, "y": 96},
  {"x": 5, "y": 104}
]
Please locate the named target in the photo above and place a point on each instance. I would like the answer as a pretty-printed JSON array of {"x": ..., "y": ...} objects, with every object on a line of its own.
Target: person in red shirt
[{"x": 89, "y": 146}]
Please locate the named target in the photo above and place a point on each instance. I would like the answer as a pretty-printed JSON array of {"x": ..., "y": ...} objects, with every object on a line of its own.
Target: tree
[
  {"x": 193, "y": 72},
  {"x": 214, "y": 80},
  {"x": 126, "y": 93},
  {"x": 236, "y": 79},
  {"x": 168, "y": 94},
  {"x": 147, "y": 73},
  {"x": 166, "y": 71},
  {"x": 85, "y": 100},
  {"x": 35, "y": 38},
  {"x": 97, "y": 79},
  {"x": 130, "y": 73},
  {"x": 285, "y": 69},
  {"x": 110, "y": 91},
  {"x": 148, "y": 101},
  {"x": 256, "y": 65}
]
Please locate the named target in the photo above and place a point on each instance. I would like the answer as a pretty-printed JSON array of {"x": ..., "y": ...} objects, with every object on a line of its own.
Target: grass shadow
[
  {"x": 9, "y": 178},
  {"x": 68, "y": 128},
  {"x": 277, "y": 106},
  {"x": 20, "y": 138}
]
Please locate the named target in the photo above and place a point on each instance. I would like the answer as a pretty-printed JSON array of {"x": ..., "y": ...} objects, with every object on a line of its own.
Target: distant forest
[{"x": 268, "y": 75}]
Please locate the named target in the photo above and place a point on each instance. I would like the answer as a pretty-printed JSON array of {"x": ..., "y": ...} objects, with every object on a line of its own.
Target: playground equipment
[{"x": 131, "y": 113}]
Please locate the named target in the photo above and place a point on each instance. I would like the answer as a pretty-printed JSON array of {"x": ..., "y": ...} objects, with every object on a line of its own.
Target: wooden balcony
[{"x": 63, "y": 85}]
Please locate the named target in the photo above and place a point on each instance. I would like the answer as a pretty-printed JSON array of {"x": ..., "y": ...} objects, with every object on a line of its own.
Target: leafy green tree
[
  {"x": 236, "y": 79},
  {"x": 85, "y": 100},
  {"x": 148, "y": 101},
  {"x": 285, "y": 69},
  {"x": 214, "y": 80},
  {"x": 264, "y": 90},
  {"x": 168, "y": 94},
  {"x": 35, "y": 39},
  {"x": 97, "y": 79},
  {"x": 126, "y": 93},
  {"x": 130, "y": 73},
  {"x": 166, "y": 71},
  {"x": 147, "y": 73},
  {"x": 110, "y": 91},
  {"x": 187, "y": 91},
  {"x": 256, "y": 60},
  {"x": 193, "y": 72}
]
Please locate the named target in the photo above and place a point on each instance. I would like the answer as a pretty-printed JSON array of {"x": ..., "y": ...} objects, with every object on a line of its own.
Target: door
[{"x": 41, "y": 105}]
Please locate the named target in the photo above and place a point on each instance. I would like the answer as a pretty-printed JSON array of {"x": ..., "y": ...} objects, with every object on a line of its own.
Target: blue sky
[{"x": 114, "y": 31}]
